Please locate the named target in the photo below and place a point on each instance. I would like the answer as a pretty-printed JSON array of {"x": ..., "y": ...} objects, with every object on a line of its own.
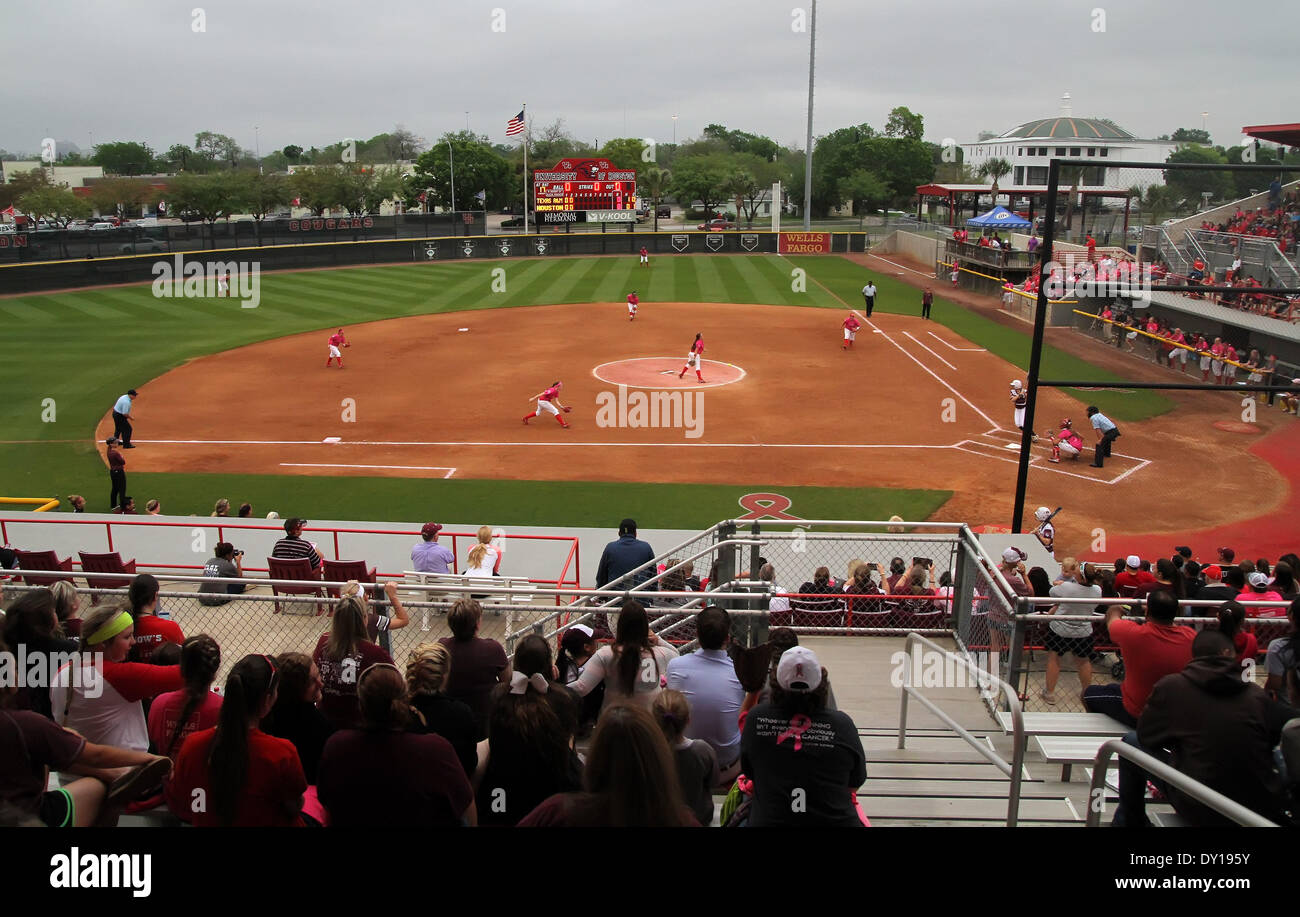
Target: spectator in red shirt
[
  {"x": 151, "y": 630},
  {"x": 1232, "y": 617},
  {"x": 176, "y": 715},
  {"x": 1131, "y": 577},
  {"x": 249, "y": 779},
  {"x": 1258, "y": 590},
  {"x": 1151, "y": 650},
  {"x": 1166, "y": 577}
]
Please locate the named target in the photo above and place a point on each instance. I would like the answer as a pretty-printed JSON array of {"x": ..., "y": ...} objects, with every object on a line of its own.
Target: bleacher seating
[
  {"x": 42, "y": 560},
  {"x": 298, "y": 568},
  {"x": 105, "y": 563}
]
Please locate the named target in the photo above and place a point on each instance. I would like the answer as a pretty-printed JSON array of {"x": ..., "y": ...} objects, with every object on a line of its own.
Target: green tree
[
  {"x": 1244, "y": 184},
  {"x": 624, "y": 152},
  {"x": 261, "y": 194},
  {"x": 750, "y": 182},
  {"x": 1191, "y": 135},
  {"x": 22, "y": 183},
  {"x": 365, "y": 188},
  {"x": 292, "y": 152},
  {"x": 124, "y": 158},
  {"x": 700, "y": 177},
  {"x": 56, "y": 203},
  {"x": 210, "y": 197},
  {"x": 317, "y": 187},
  {"x": 901, "y": 162},
  {"x": 218, "y": 148},
  {"x": 478, "y": 167},
  {"x": 868, "y": 191},
  {"x": 121, "y": 196},
  {"x": 1160, "y": 200},
  {"x": 1072, "y": 176},
  {"x": 1191, "y": 184},
  {"x": 905, "y": 124}
]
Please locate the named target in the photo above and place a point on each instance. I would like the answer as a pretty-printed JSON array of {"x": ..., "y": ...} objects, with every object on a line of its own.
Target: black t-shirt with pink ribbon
[{"x": 806, "y": 768}]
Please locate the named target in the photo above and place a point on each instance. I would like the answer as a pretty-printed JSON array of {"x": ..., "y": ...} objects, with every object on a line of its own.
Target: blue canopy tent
[{"x": 998, "y": 218}]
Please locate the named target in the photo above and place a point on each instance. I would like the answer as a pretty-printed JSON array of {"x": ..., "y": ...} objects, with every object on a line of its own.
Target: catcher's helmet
[
  {"x": 1066, "y": 423},
  {"x": 1042, "y": 513}
]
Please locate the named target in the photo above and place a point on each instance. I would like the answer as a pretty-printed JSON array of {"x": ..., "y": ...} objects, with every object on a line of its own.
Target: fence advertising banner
[{"x": 804, "y": 243}]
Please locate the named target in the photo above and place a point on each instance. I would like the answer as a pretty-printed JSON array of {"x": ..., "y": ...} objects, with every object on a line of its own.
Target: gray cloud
[{"x": 313, "y": 72}]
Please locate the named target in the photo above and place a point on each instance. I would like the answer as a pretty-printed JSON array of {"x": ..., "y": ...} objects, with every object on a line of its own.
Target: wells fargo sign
[{"x": 804, "y": 243}]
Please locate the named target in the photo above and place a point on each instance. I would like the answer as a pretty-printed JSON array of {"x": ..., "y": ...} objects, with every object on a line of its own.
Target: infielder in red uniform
[
  {"x": 851, "y": 326},
  {"x": 632, "y": 303},
  {"x": 337, "y": 341},
  {"x": 693, "y": 358},
  {"x": 645, "y": 255},
  {"x": 548, "y": 402}
]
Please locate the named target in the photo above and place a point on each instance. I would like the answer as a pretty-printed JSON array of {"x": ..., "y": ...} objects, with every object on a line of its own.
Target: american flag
[{"x": 515, "y": 125}]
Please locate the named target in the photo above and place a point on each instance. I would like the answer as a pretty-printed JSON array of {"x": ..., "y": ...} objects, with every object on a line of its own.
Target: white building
[
  {"x": 1029, "y": 148},
  {"x": 72, "y": 176}
]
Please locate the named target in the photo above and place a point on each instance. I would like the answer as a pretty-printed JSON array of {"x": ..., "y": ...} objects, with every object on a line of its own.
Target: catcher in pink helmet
[
  {"x": 1065, "y": 441},
  {"x": 548, "y": 402}
]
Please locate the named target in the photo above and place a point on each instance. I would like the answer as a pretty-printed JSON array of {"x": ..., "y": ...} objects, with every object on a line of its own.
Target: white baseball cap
[
  {"x": 1013, "y": 556},
  {"x": 1257, "y": 579},
  {"x": 1134, "y": 561},
  {"x": 799, "y": 670}
]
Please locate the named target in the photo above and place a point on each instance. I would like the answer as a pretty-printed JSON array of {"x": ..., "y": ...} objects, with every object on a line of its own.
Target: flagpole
[{"x": 525, "y": 168}]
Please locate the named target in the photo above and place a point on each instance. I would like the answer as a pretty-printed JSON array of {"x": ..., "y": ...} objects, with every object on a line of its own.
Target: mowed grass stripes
[{"x": 70, "y": 355}]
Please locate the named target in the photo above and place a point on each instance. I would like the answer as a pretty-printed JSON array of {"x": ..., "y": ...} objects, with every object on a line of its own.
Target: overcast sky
[{"x": 311, "y": 72}]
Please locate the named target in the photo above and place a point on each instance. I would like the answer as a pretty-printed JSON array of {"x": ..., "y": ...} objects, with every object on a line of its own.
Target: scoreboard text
[{"x": 582, "y": 185}]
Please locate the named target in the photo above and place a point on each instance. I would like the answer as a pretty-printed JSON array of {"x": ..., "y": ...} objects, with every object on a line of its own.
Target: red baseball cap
[{"x": 430, "y": 529}]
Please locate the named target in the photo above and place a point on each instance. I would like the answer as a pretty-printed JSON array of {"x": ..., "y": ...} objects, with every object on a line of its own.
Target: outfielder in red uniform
[
  {"x": 851, "y": 326},
  {"x": 693, "y": 358},
  {"x": 632, "y": 303},
  {"x": 548, "y": 402},
  {"x": 336, "y": 341},
  {"x": 645, "y": 255}
]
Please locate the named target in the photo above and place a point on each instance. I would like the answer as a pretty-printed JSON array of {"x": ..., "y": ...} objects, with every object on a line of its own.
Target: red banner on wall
[{"x": 804, "y": 243}]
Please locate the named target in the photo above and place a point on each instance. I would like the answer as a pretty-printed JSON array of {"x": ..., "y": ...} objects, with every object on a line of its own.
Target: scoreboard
[{"x": 584, "y": 190}]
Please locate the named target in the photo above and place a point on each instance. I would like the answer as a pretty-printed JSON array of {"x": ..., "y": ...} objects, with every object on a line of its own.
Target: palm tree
[
  {"x": 654, "y": 181},
  {"x": 1073, "y": 175},
  {"x": 994, "y": 169}
]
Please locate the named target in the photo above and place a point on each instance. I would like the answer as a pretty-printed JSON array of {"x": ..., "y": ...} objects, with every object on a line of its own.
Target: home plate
[
  {"x": 1012, "y": 447},
  {"x": 462, "y": 329},
  {"x": 332, "y": 439}
]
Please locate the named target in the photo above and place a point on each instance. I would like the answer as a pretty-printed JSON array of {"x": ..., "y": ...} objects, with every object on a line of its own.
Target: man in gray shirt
[
  {"x": 1070, "y": 636},
  {"x": 869, "y": 294},
  {"x": 1106, "y": 432}
]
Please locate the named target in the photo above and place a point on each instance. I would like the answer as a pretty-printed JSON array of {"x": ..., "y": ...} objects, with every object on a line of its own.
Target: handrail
[
  {"x": 643, "y": 586},
  {"x": 611, "y": 585},
  {"x": 1015, "y": 770},
  {"x": 1198, "y": 791}
]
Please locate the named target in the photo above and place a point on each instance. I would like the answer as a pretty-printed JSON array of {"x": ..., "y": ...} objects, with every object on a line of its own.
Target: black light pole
[{"x": 1036, "y": 353}]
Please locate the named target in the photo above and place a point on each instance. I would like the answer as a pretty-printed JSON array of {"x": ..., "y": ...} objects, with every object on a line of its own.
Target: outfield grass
[{"x": 70, "y": 355}]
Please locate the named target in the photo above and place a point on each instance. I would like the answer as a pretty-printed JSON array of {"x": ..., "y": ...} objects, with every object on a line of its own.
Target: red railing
[{"x": 222, "y": 527}]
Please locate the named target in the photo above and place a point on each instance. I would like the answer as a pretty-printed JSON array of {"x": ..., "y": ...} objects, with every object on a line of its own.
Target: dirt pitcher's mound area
[{"x": 912, "y": 405}]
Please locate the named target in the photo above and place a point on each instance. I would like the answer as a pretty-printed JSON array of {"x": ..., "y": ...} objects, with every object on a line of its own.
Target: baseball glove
[{"x": 567, "y": 409}]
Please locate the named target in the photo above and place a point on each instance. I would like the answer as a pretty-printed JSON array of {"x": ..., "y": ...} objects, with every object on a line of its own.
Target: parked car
[
  {"x": 102, "y": 226},
  {"x": 664, "y": 211},
  {"x": 717, "y": 225},
  {"x": 144, "y": 247},
  {"x": 8, "y": 228},
  {"x": 512, "y": 223}
]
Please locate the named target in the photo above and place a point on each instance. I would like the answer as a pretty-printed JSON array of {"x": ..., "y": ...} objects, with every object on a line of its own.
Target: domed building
[{"x": 1030, "y": 146}]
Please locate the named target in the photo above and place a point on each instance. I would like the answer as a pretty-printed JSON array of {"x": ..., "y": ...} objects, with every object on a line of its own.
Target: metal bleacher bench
[
  {"x": 471, "y": 585},
  {"x": 1067, "y": 738}
]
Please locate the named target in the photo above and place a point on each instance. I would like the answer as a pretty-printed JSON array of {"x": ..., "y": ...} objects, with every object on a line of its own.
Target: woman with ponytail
[
  {"x": 235, "y": 775},
  {"x": 528, "y": 754},
  {"x": 177, "y": 714},
  {"x": 382, "y": 776},
  {"x": 634, "y": 667},
  {"x": 428, "y": 669},
  {"x": 1232, "y": 619},
  {"x": 342, "y": 655},
  {"x": 295, "y": 715},
  {"x": 697, "y": 763}
]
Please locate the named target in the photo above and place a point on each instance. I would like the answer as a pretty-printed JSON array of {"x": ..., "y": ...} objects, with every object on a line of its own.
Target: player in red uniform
[
  {"x": 693, "y": 358},
  {"x": 851, "y": 326},
  {"x": 632, "y": 303},
  {"x": 548, "y": 402},
  {"x": 645, "y": 255},
  {"x": 337, "y": 341}
]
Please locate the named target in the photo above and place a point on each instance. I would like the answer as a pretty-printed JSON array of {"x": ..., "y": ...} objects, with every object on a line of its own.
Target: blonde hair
[
  {"x": 673, "y": 714},
  {"x": 348, "y": 628},
  {"x": 352, "y": 589},
  {"x": 476, "y": 555},
  {"x": 1069, "y": 568},
  {"x": 853, "y": 568},
  {"x": 484, "y": 534},
  {"x": 100, "y": 616},
  {"x": 894, "y": 528},
  {"x": 65, "y": 594},
  {"x": 427, "y": 668},
  {"x": 222, "y": 508}
]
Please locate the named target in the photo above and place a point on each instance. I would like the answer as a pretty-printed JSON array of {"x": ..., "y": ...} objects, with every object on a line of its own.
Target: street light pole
[
  {"x": 807, "y": 156},
  {"x": 674, "y": 130},
  {"x": 257, "y": 146}
]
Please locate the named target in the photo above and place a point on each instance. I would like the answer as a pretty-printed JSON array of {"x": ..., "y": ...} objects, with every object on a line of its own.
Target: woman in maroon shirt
[{"x": 342, "y": 655}]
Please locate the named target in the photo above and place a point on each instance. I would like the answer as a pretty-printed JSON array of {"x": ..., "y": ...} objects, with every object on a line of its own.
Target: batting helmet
[
  {"x": 1015, "y": 383},
  {"x": 1042, "y": 513}
]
